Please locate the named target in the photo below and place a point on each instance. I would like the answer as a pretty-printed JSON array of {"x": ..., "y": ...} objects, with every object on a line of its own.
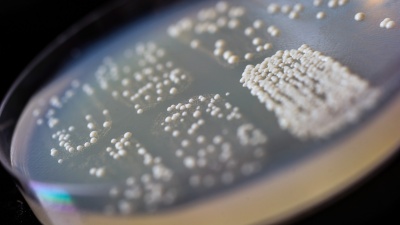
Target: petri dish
[{"x": 236, "y": 112}]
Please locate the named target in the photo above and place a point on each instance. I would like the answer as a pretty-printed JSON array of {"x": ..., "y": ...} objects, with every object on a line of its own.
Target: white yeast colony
[
  {"x": 211, "y": 31},
  {"x": 359, "y": 16},
  {"x": 143, "y": 78},
  {"x": 213, "y": 141},
  {"x": 311, "y": 94}
]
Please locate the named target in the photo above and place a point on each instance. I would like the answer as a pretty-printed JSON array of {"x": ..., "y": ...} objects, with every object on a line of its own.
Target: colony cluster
[
  {"x": 156, "y": 80},
  {"x": 213, "y": 140},
  {"x": 72, "y": 143},
  {"x": 291, "y": 10},
  {"x": 209, "y": 140},
  {"x": 56, "y": 103},
  {"x": 213, "y": 29},
  {"x": 66, "y": 138},
  {"x": 150, "y": 184}
]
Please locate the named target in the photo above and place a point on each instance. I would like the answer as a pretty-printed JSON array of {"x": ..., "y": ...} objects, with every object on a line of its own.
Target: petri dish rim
[{"x": 334, "y": 188}]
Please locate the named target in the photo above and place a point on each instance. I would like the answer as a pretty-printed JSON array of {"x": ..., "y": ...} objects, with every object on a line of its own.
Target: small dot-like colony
[
  {"x": 213, "y": 141},
  {"x": 153, "y": 80},
  {"x": 212, "y": 30},
  {"x": 149, "y": 184},
  {"x": 311, "y": 94},
  {"x": 320, "y": 15},
  {"x": 359, "y": 16}
]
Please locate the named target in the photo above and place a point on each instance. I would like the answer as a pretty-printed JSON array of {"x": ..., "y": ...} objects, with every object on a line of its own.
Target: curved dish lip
[{"x": 236, "y": 205}]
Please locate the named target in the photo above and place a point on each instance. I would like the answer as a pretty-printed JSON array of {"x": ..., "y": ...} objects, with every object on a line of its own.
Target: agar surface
[{"x": 205, "y": 143}]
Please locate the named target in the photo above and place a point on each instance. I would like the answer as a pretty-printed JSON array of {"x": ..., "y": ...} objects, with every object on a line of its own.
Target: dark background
[{"x": 28, "y": 26}]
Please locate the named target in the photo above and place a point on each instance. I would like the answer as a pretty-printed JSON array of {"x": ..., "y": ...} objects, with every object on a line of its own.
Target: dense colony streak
[
  {"x": 198, "y": 143},
  {"x": 311, "y": 94}
]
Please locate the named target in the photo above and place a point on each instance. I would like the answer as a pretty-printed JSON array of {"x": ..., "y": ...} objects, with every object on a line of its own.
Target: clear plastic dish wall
[{"x": 316, "y": 174}]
